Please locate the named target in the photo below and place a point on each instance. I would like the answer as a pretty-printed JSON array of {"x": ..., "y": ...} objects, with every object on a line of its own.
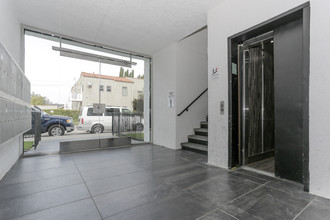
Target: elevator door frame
[
  {"x": 302, "y": 11},
  {"x": 256, "y": 41}
]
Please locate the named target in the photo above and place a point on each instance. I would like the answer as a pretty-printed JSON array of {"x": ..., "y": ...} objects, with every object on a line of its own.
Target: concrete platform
[{"x": 93, "y": 144}]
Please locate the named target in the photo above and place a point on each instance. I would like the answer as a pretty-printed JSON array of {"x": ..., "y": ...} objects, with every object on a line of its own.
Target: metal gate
[{"x": 36, "y": 127}]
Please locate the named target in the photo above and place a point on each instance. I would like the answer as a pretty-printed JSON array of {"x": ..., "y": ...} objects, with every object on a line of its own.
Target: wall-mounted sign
[
  {"x": 98, "y": 108},
  {"x": 171, "y": 99},
  {"x": 215, "y": 72}
]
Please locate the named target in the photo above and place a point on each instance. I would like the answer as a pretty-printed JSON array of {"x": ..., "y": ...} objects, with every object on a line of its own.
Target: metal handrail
[{"x": 186, "y": 109}]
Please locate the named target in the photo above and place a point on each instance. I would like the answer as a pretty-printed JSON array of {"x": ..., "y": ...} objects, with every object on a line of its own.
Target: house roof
[{"x": 115, "y": 78}]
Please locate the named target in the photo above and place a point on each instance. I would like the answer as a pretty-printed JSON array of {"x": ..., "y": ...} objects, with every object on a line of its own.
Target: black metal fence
[
  {"x": 35, "y": 131},
  {"x": 125, "y": 124}
]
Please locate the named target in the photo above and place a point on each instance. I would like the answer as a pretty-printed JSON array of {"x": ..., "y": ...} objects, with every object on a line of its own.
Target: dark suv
[{"x": 55, "y": 125}]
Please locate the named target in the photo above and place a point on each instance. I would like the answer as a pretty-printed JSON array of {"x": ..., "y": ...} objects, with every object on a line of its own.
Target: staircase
[{"x": 198, "y": 142}]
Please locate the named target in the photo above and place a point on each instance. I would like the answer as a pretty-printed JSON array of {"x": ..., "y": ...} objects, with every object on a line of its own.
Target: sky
[{"x": 53, "y": 76}]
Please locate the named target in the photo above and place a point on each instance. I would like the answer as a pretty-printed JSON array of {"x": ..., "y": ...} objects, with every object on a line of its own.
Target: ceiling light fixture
[{"x": 93, "y": 57}]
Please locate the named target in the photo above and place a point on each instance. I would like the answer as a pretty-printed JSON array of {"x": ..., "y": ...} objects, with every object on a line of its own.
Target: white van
[{"x": 98, "y": 123}]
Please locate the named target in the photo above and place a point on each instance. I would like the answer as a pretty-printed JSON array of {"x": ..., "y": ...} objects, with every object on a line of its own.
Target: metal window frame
[{"x": 115, "y": 50}]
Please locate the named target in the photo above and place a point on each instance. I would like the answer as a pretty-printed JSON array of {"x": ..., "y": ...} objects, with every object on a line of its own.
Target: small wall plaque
[{"x": 98, "y": 108}]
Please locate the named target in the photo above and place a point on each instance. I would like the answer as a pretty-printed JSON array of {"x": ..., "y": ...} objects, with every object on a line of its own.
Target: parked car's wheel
[
  {"x": 138, "y": 127},
  {"x": 97, "y": 129},
  {"x": 56, "y": 130}
]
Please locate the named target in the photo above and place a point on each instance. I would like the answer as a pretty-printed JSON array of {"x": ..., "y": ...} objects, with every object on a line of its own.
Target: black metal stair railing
[{"x": 187, "y": 108}]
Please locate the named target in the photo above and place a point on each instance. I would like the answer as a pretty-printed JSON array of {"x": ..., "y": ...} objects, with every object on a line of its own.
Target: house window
[
  {"x": 108, "y": 88},
  {"x": 101, "y": 88},
  {"x": 124, "y": 91}
]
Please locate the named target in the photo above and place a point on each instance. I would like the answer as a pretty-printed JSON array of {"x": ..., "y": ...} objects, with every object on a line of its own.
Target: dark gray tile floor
[{"x": 148, "y": 182}]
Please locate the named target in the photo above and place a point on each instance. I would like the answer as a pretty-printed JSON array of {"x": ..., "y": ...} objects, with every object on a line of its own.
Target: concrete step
[
  {"x": 197, "y": 139},
  {"x": 204, "y": 124},
  {"x": 201, "y": 131},
  {"x": 199, "y": 148}
]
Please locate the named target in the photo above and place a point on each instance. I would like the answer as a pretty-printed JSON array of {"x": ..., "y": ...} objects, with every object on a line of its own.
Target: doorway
[
  {"x": 257, "y": 102},
  {"x": 268, "y": 96}
]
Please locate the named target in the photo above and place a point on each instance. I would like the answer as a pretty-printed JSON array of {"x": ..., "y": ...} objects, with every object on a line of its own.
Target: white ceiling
[{"x": 144, "y": 26}]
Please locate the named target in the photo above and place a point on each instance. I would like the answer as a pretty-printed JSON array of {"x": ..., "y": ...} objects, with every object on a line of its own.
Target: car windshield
[
  {"x": 125, "y": 110},
  {"x": 44, "y": 113}
]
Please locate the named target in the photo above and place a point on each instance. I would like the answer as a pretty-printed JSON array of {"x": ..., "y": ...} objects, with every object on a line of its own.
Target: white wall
[
  {"x": 182, "y": 68},
  {"x": 10, "y": 32},
  {"x": 9, "y": 153},
  {"x": 10, "y": 37},
  {"x": 191, "y": 80},
  {"x": 163, "y": 81},
  {"x": 223, "y": 22},
  {"x": 319, "y": 132}
]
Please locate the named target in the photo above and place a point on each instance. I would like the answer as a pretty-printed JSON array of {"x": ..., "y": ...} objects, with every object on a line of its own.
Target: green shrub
[{"x": 74, "y": 114}]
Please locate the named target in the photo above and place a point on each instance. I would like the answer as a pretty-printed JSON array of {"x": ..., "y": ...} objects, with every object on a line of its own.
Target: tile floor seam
[
  {"x": 102, "y": 178},
  {"x": 244, "y": 212},
  {"x": 170, "y": 169},
  {"x": 120, "y": 188},
  {"x": 195, "y": 196},
  {"x": 88, "y": 191},
  {"x": 206, "y": 214},
  {"x": 26, "y": 164},
  {"x": 111, "y": 177},
  {"x": 113, "y": 165},
  {"x": 91, "y": 162},
  {"x": 44, "y": 191},
  {"x": 51, "y": 207},
  {"x": 169, "y": 197},
  {"x": 243, "y": 195},
  {"x": 274, "y": 187},
  {"x": 53, "y": 168},
  {"x": 234, "y": 172},
  {"x": 293, "y": 195},
  {"x": 303, "y": 209},
  {"x": 248, "y": 179},
  {"x": 211, "y": 179},
  {"x": 36, "y": 180},
  {"x": 185, "y": 191},
  {"x": 228, "y": 214},
  {"x": 200, "y": 183}
]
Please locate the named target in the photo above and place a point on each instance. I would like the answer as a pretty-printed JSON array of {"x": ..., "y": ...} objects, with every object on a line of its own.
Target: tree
[
  {"x": 37, "y": 99},
  {"x": 132, "y": 74},
  {"x": 140, "y": 77},
  {"x": 126, "y": 73},
  {"x": 121, "y": 72},
  {"x": 138, "y": 104}
]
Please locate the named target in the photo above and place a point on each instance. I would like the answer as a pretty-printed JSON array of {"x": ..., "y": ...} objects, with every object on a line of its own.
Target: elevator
[
  {"x": 257, "y": 102},
  {"x": 269, "y": 96}
]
